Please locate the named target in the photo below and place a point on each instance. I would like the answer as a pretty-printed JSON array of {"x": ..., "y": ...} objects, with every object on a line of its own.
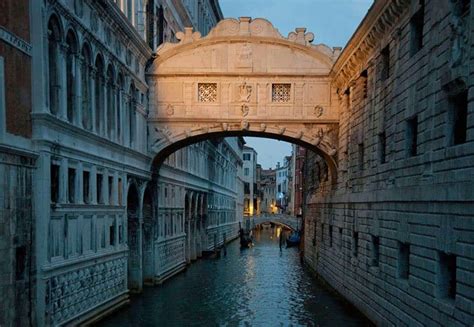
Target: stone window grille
[
  {"x": 355, "y": 244},
  {"x": 458, "y": 118},
  {"x": 417, "y": 22},
  {"x": 330, "y": 236},
  {"x": 207, "y": 92},
  {"x": 86, "y": 186},
  {"x": 412, "y": 136},
  {"x": 54, "y": 183},
  {"x": 72, "y": 185},
  {"x": 281, "y": 93},
  {"x": 340, "y": 238}
]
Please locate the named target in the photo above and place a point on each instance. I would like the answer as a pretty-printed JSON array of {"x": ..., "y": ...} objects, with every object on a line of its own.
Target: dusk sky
[{"x": 332, "y": 21}]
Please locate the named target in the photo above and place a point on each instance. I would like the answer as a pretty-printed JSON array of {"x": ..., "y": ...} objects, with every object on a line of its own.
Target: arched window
[
  {"x": 119, "y": 107},
  {"x": 86, "y": 87},
  {"x": 110, "y": 102},
  {"x": 71, "y": 52},
  {"x": 99, "y": 93},
  {"x": 54, "y": 39},
  {"x": 131, "y": 112}
]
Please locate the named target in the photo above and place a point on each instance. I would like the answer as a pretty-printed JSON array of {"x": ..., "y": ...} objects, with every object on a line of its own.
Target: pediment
[{"x": 244, "y": 46}]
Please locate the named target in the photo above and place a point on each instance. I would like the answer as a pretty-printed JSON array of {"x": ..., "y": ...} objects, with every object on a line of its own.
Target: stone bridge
[
  {"x": 243, "y": 79},
  {"x": 291, "y": 222}
]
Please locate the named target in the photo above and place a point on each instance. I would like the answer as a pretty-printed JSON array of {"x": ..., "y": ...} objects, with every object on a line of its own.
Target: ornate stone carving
[
  {"x": 79, "y": 7},
  {"x": 245, "y": 110},
  {"x": 245, "y": 92},
  {"x": 301, "y": 37},
  {"x": 318, "y": 111},
  {"x": 188, "y": 35},
  {"x": 244, "y": 56},
  {"x": 70, "y": 294},
  {"x": 170, "y": 110},
  {"x": 244, "y": 125},
  {"x": 263, "y": 127},
  {"x": 457, "y": 23}
]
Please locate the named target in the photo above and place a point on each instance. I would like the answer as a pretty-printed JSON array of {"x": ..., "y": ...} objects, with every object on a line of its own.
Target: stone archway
[
  {"x": 244, "y": 78},
  {"x": 147, "y": 239}
]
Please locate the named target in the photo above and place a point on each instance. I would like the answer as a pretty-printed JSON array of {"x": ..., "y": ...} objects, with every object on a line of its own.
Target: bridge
[{"x": 289, "y": 221}]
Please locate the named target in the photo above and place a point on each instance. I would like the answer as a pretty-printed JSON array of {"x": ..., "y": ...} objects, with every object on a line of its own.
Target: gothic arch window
[
  {"x": 132, "y": 114},
  {"x": 86, "y": 72},
  {"x": 71, "y": 56},
  {"x": 99, "y": 92},
  {"x": 110, "y": 102},
  {"x": 54, "y": 41},
  {"x": 118, "y": 103}
]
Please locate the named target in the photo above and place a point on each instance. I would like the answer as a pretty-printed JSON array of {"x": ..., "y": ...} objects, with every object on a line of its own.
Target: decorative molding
[{"x": 15, "y": 41}]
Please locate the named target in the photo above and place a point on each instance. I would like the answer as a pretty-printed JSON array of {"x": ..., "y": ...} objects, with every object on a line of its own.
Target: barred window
[
  {"x": 207, "y": 92},
  {"x": 281, "y": 92}
]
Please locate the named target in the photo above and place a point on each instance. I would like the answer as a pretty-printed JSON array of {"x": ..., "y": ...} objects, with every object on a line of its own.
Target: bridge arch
[{"x": 243, "y": 79}]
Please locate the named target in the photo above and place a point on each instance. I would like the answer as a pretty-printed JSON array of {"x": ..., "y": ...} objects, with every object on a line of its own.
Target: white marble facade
[{"x": 95, "y": 199}]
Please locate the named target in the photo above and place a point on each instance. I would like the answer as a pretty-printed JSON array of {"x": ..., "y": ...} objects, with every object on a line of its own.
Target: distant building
[
  {"x": 283, "y": 185},
  {"x": 299, "y": 155},
  {"x": 268, "y": 191},
  {"x": 250, "y": 181}
]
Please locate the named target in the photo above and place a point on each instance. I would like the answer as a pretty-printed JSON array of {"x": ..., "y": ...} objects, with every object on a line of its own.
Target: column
[
  {"x": 92, "y": 95},
  {"x": 80, "y": 183},
  {"x": 78, "y": 90},
  {"x": 93, "y": 183},
  {"x": 63, "y": 181}
]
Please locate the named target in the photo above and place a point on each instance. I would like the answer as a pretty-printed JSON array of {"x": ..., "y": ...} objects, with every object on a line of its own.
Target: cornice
[{"x": 380, "y": 19}]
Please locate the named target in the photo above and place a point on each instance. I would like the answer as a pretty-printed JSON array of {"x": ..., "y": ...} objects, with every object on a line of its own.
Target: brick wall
[{"x": 17, "y": 268}]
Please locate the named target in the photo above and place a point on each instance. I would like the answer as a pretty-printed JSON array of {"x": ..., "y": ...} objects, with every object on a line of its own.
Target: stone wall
[
  {"x": 395, "y": 234},
  {"x": 17, "y": 261}
]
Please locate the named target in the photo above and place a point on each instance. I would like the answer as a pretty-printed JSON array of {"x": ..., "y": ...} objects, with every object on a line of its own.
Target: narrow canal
[{"x": 261, "y": 286}]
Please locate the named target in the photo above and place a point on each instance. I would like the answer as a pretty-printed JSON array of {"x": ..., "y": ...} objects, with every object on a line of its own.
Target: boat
[
  {"x": 245, "y": 239},
  {"x": 294, "y": 239}
]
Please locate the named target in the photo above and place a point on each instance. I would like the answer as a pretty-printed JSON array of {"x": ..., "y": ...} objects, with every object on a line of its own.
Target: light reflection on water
[{"x": 260, "y": 286}]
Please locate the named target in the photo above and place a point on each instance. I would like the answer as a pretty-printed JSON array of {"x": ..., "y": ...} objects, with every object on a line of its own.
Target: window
[
  {"x": 86, "y": 88},
  {"x": 361, "y": 156},
  {"x": 340, "y": 238},
  {"x": 120, "y": 191},
  {"x": 411, "y": 136},
  {"x": 207, "y": 92},
  {"x": 112, "y": 234},
  {"x": 403, "y": 260},
  {"x": 247, "y": 156},
  {"x": 110, "y": 102},
  {"x": 20, "y": 260},
  {"x": 447, "y": 275},
  {"x": 330, "y": 236},
  {"x": 71, "y": 178},
  {"x": 246, "y": 188},
  {"x": 71, "y": 50},
  {"x": 99, "y": 93},
  {"x": 246, "y": 171},
  {"x": 86, "y": 186},
  {"x": 382, "y": 148},
  {"x": 54, "y": 183},
  {"x": 111, "y": 189},
  {"x": 385, "y": 57},
  {"x": 458, "y": 118},
  {"x": 355, "y": 244},
  {"x": 322, "y": 234},
  {"x": 132, "y": 115},
  {"x": 416, "y": 28},
  {"x": 54, "y": 39},
  {"x": 281, "y": 92},
  {"x": 100, "y": 196},
  {"x": 375, "y": 251}
]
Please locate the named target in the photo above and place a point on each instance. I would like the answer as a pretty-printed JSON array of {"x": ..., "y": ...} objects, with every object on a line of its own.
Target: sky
[{"x": 332, "y": 21}]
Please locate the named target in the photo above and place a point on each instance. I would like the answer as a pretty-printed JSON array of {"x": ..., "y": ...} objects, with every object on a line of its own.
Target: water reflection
[{"x": 260, "y": 286}]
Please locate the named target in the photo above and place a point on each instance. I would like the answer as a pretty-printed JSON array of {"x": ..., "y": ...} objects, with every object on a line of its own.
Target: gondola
[
  {"x": 245, "y": 239},
  {"x": 293, "y": 240}
]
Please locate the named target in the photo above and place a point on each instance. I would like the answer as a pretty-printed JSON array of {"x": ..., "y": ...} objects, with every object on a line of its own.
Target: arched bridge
[
  {"x": 243, "y": 79},
  {"x": 291, "y": 222}
]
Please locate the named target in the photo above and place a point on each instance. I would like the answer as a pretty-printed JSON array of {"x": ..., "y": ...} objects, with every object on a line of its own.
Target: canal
[{"x": 260, "y": 286}]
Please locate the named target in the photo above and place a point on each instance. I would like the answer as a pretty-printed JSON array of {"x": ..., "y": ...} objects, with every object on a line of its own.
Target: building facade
[
  {"x": 251, "y": 199},
  {"x": 268, "y": 191},
  {"x": 74, "y": 144},
  {"x": 394, "y": 234}
]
